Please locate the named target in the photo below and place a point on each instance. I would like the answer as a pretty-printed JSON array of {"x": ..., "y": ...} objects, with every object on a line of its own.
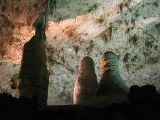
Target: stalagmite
[
  {"x": 111, "y": 83},
  {"x": 34, "y": 74},
  {"x": 86, "y": 82},
  {"x": 15, "y": 82}
]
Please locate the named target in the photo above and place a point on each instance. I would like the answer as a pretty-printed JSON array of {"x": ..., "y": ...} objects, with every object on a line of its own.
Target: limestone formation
[
  {"x": 111, "y": 83},
  {"x": 143, "y": 93},
  {"x": 135, "y": 28},
  {"x": 15, "y": 82},
  {"x": 86, "y": 82},
  {"x": 34, "y": 74}
]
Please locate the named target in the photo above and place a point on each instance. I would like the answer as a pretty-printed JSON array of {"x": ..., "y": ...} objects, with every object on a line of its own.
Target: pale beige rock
[{"x": 86, "y": 82}]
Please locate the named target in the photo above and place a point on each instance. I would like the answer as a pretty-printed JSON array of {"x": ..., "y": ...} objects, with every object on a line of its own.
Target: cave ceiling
[{"x": 17, "y": 16}]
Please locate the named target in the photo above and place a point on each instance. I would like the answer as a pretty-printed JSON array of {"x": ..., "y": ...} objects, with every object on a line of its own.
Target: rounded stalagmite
[
  {"x": 86, "y": 82},
  {"x": 111, "y": 83}
]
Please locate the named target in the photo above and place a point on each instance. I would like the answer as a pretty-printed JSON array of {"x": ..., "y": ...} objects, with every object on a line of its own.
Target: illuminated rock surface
[
  {"x": 86, "y": 82},
  {"x": 129, "y": 29}
]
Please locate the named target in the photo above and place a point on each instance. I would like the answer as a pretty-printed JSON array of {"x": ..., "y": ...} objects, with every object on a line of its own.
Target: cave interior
[{"x": 80, "y": 59}]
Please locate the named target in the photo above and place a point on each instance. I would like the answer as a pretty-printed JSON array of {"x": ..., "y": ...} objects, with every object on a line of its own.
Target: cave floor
[{"x": 125, "y": 111}]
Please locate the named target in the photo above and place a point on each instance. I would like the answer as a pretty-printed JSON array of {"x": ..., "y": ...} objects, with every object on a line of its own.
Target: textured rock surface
[
  {"x": 111, "y": 83},
  {"x": 33, "y": 72},
  {"x": 128, "y": 28},
  {"x": 86, "y": 82}
]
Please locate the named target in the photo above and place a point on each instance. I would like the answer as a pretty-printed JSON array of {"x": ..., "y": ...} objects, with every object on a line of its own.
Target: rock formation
[
  {"x": 15, "y": 82},
  {"x": 111, "y": 83},
  {"x": 34, "y": 74},
  {"x": 141, "y": 94},
  {"x": 86, "y": 82},
  {"x": 26, "y": 109},
  {"x": 130, "y": 28}
]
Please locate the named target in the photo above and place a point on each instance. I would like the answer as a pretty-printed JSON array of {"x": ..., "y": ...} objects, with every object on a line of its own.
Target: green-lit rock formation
[{"x": 111, "y": 83}]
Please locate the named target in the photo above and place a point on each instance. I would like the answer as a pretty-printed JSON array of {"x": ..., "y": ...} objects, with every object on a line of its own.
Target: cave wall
[
  {"x": 130, "y": 28},
  {"x": 16, "y": 18}
]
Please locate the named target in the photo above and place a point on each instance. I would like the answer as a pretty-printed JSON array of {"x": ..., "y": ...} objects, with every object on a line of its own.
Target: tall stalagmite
[
  {"x": 86, "y": 82},
  {"x": 34, "y": 74}
]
